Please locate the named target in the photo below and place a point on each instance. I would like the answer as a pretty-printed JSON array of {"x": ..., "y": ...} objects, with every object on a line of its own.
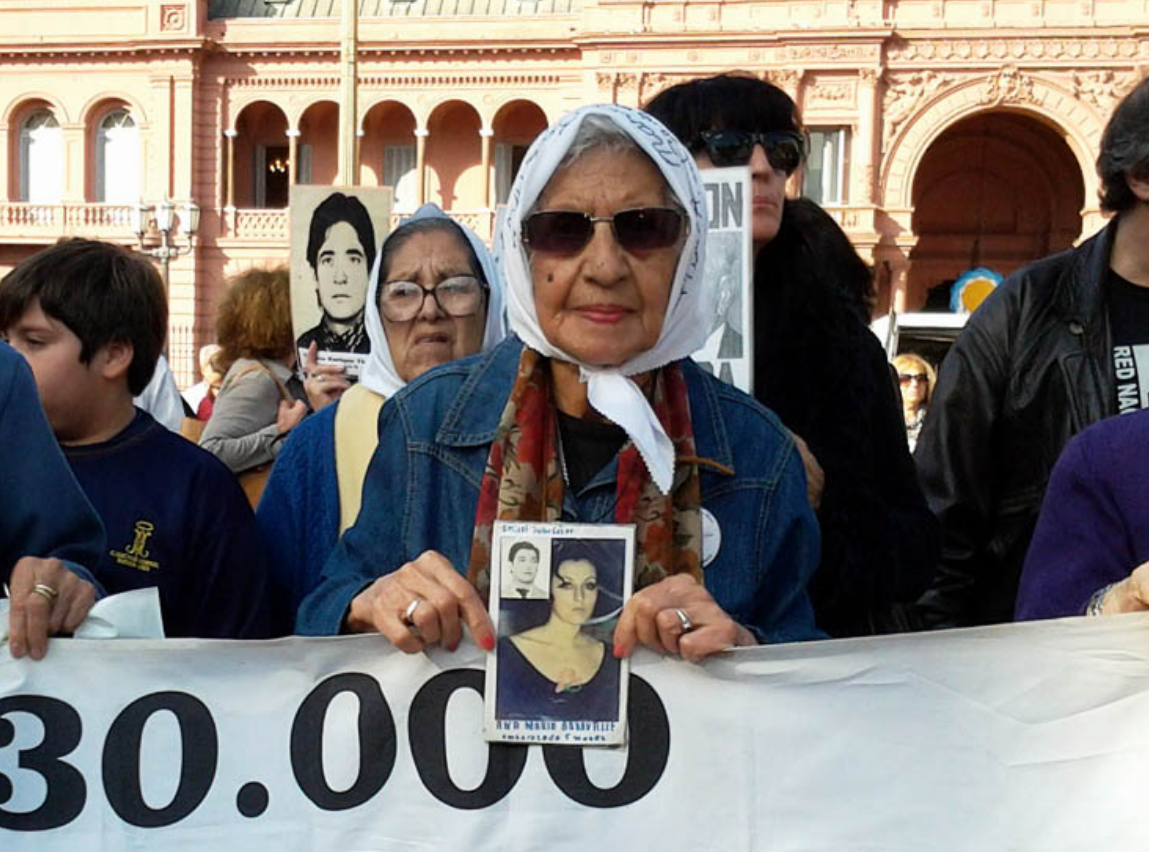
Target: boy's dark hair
[
  {"x": 1125, "y": 150},
  {"x": 334, "y": 209},
  {"x": 723, "y": 102},
  {"x": 103, "y": 293}
]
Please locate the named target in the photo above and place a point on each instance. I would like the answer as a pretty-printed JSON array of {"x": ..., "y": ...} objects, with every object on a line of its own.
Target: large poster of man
[
  {"x": 335, "y": 235},
  {"x": 729, "y": 350}
]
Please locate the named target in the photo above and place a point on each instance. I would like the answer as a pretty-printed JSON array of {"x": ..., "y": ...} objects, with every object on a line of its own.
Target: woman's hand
[
  {"x": 426, "y": 602},
  {"x": 290, "y": 413},
  {"x": 1130, "y": 595},
  {"x": 324, "y": 383},
  {"x": 36, "y": 613},
  {"x": 651, "y": 618},
  {"x": 815, "y": 476}
]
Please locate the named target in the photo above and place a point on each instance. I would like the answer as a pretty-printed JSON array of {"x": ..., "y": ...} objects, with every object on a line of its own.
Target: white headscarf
[
  {"x": 378, "y": 373},
  {"x": 610, "y": 390}
]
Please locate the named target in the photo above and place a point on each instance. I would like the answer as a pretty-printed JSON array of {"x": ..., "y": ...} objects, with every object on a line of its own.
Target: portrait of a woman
[{"x": 560, "y": 670}]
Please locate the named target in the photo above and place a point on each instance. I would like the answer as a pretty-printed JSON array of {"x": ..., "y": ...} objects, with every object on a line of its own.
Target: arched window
[
  {"x": 118, "y": 159},
  {"x": 41, "y": 159}
]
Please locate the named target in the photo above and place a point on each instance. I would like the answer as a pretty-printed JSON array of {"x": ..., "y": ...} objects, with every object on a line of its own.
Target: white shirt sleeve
[{"x": 161, "y": 398}]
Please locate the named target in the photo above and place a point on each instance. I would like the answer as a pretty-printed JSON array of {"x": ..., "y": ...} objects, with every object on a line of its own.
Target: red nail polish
[
  {"x": 617, "y": 651},
  {"x": 452, "y": 647},
  {"x": 488, "y": 642}
]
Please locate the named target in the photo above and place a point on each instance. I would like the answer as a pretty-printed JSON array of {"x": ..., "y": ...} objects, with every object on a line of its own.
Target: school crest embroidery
[{"x": 135, "y": 555}]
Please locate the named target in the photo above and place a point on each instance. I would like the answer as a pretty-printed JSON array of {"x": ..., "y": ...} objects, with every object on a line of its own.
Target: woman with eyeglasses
[
  {"x": 916, "y": 378},
  {"x": 591, "y": 412},
  {"x": 816, "y": 364},
  {"x": 434, "y": 296}
]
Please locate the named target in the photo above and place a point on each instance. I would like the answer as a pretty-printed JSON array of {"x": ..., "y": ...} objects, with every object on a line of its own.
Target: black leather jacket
[{"x": 1031, "y": 369}]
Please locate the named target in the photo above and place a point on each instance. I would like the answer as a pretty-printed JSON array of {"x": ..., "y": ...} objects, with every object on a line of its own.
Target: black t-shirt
[
  {"x": 1129, "y": 325},
  {"x": 588, "y": 447}
]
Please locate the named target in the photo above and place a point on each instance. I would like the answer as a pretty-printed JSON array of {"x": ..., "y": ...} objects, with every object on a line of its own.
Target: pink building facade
[{"x": 946, "y": 133}]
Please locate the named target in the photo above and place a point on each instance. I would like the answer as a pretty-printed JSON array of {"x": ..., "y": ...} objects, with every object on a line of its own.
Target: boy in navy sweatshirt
[{"x": 90, "y": 319}]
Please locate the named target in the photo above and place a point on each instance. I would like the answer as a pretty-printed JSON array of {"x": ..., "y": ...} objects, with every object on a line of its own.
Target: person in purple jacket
[{"x": 1090, "y": 551}]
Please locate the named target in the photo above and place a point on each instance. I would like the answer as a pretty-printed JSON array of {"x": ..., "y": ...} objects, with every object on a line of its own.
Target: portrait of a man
[
  {"x": 340, "y": 253},
  {"x": 521, "y": 573}
]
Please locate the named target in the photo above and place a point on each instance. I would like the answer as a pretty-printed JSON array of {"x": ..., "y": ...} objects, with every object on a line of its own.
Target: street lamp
[{"x": 165, "y": 220}]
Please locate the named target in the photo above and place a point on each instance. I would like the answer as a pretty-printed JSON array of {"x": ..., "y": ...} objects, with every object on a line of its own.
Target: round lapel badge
[{"x": 711, "y": 536}]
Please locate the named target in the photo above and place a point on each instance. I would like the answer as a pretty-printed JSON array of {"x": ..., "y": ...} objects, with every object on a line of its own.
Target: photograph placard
[
  {"x": 729, "y": 350},
  {"x": 557, "y": 591},
  {"x": 336, "y": 232}
]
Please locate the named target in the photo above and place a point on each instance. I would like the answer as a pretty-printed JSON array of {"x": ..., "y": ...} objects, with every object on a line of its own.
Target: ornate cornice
[
  {"x": 398, "y": 81},
  {"x": 1003, "y": 48}
]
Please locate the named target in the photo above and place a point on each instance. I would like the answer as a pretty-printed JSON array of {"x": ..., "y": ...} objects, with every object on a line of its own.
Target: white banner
[{"x": 1029, "y": 737}]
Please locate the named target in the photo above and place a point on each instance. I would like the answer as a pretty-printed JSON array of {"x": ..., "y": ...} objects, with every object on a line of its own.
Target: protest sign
[
  {"x": 336, "y": 233},
  {"x": 729, "y": 350},
  {"x": 553, "y": 660},
  {"x": 1025, "y": 737}
]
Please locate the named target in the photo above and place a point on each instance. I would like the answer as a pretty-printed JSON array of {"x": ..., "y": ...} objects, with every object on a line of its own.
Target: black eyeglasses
[
  {"x": 906, "y": 378},
  {"x": 785, "y": 150},
  {"x": 569, "y": 231},
  {"x": 459, "y": 296}
]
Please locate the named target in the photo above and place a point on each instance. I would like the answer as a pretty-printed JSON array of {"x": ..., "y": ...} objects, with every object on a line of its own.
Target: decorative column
[
  {"x": 421, "y": 134},
  {"x": 866, "y": 143},
  {"x": 75, "y": 154},
  {"x": 348, "y": 103},
  {"x": 487, "y": 135},
  {"x": 229, "y": 201},
  {"x": 292, "y": 153}
]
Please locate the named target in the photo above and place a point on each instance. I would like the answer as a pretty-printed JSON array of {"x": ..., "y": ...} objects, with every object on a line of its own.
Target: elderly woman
[
  {"x": 434, "y": 296},
  {"x": 558, "y": 667},
  {"x": 916, "y": 378},
  {"x": 260, "y": 400},
  {"x": 592, "y": 413},
  {"x": 816, "y": 364}
]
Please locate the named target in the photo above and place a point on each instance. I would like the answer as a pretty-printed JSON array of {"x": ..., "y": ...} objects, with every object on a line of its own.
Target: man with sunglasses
[{"x": 1060, "y": 344}]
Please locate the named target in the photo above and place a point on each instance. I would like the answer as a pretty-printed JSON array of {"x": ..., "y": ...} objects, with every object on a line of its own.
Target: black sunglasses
[
  {"x": 785, "y": 150},
  {"x": 569, "y": 231}
]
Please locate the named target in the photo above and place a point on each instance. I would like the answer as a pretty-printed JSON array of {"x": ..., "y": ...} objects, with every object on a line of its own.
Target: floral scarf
[{"x": 523, "y": 480}]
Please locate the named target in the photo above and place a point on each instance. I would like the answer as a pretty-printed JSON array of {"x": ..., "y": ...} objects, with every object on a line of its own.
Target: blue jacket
[
  {"x": 422, "y": 493},
  {"x": 298, "y": 514},
  {"x": 1093, "y": 529},
  {"x": 43, "y": 511}
]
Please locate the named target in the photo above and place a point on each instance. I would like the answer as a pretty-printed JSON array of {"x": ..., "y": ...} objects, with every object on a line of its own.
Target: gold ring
[{"x": 46, "y": 592}]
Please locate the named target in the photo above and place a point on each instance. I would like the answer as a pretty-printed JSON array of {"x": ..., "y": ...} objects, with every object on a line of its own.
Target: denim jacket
[{"x": 422, "y": 493}]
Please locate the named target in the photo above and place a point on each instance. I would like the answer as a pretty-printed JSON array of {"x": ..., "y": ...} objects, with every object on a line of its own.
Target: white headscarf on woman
[
  {"x": 610, "y": 389},
  {"x": 378, "y": 373}
]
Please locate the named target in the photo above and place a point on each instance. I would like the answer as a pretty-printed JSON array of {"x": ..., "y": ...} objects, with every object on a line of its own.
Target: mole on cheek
[{"x": 550, "y": 277}]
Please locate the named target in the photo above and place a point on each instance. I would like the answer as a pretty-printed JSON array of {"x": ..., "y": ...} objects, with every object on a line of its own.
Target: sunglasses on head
[
  {"x": 785, "y": 150},
  {"x": 569, "y": 231}
]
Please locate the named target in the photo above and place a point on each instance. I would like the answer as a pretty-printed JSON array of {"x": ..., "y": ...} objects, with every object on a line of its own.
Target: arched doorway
[
  {"x": 119, "y": 161},
  {"x": 998, "y": 189},
  {"x": 41, "y": 158},
  {"x": 454, "y": 157},
  {"x": 516, "y": 125},
  {"x": 319, "y": 144},
  {"x": 261, "y": 160},
  {"x": 387, "y": 153}
]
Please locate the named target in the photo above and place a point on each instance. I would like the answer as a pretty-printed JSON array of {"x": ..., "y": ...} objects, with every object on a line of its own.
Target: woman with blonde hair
[
  {"x": 916, "y": 377},
  {"x": 260, "y": 400}
]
